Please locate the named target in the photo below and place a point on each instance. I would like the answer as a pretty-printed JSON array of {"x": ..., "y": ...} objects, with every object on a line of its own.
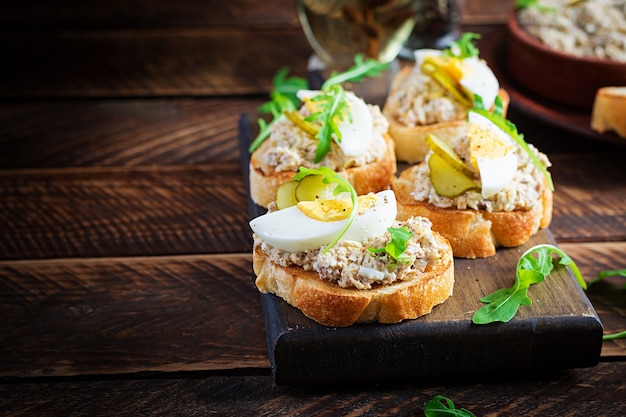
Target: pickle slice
[
  {"x": 286, "y": 195},
  {"x": 440, "y": 75},
  {"x": 313, "y": 187},
  {"x": 445, "y": 151},
  {"x": 447, "y": 181}
]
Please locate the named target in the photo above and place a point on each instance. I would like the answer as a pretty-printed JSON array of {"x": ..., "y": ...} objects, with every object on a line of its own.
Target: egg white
[
  {"x": 495, "y": 173},
  {"x": 292, "y": 230},
  {"x": 479, "y": 79},
  {"x": 356, "y": 136}
]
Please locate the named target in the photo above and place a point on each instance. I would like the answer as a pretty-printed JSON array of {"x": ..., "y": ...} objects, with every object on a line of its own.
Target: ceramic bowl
[{"x": 564, "y": 78}]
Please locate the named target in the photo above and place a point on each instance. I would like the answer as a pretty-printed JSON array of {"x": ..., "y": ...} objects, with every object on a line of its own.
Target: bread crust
[
  {"x": 372, "y": 177},
  {"x": 410, "y": 141},
  {"x": 609, "y": 108},
  {"x": 475, "y": 233},
  {"x": 331, "y": 305}
]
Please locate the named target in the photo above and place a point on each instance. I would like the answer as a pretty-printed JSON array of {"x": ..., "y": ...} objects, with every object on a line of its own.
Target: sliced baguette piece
[
  {"x": 331, "y": 305},
  {"x": 609, "y": 110},
  {"x": 475, "y": 233},
  {"x": 410, "y": 140},
  {"x": 372, "y": 177}
]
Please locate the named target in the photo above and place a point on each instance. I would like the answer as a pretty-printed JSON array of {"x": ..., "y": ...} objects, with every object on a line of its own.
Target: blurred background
[{"x": 134, "y": 48}]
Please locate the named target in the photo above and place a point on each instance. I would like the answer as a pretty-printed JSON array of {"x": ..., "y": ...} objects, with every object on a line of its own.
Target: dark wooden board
[{"x": 559, "y": 330}]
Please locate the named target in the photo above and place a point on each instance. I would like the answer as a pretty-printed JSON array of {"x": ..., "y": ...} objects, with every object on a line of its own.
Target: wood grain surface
[{"x": 126, "y": 283}]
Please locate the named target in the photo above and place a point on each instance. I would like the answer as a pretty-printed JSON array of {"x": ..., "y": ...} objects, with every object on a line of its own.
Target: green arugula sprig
[
  {"x": 525, "y": 4},
  {"x": 502, "y": 305},
  {"x": 331, "y": 177},
  {"x": 464, "y": 47},
  {"x": 283, "y": 98},
  {"x": 331, "y": 102},
  {"x": 396, "y": 247},
  {"x": 609, "y": 273},
  {"x": 508, "y": 127},
  {"x": 600, "y": 277},
  {"x": 441, "y": 406}
]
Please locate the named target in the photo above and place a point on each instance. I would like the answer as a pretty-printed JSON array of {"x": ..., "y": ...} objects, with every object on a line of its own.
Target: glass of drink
[{"x": 339, "y": 29}]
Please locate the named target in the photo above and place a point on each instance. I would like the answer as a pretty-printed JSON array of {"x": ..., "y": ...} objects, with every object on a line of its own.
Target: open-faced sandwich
[
  {"x": 343, "y": 259},
  {"x": 328, "y": 127},
  {"x": 486, "y": 189},
  {"x": 434, "y": 95}
]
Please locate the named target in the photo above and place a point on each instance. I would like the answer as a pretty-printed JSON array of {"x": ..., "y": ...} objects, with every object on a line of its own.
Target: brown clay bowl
[{"x": 557, "y": 76}]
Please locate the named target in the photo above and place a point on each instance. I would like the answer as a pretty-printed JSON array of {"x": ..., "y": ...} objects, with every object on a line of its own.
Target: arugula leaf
[
  {"x": 609, "y": 273},
  {"x": 441, "y": 406},
  {"x": 279, "y": 104},
  {"x": 361, "y": 69},
  {"x": 525, "y": 4},
  {"x": 502, "y": 305},
  {"x": 508, "y": 127},
  {"x": 464, "y": 47},
  {"x": 331, "y": 177},
  {"x": 333, "y": 106},
  {"x": 396, "y": 247},
  {"x": 283, "y": 98}
]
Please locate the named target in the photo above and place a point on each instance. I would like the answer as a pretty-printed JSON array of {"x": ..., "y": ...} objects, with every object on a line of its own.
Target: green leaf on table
[
  {"x": 441, "y": 406},
  {"x": 532, "y": 268}
]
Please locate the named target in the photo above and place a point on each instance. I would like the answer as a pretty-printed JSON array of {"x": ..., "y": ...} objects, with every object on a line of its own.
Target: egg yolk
[
  {"x": 333, "y": 210},
  {"x": 483, "y": 145}
]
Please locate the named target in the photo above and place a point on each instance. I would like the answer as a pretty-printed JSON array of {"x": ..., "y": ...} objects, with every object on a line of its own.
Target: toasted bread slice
[
  {"x": 331, "y": 305},
  {"x": 410, "y": 140},
  {"x": 609, "y": 110},
  {"x": 372, "y": 177},
  {"x": 475, "y": 233}
]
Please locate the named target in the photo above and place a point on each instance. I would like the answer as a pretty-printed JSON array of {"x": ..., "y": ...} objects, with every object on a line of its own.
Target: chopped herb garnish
[
  {"x": 331, "y": 103},
  {"x": 441, "y": 406},
  {"x": 508, "y": 127},
  {"x": 396, "y": 247},
  {"x": 464, "y": 47},
  {"x": 331, "y": 177},
  {"x": 502, "y": 305}
]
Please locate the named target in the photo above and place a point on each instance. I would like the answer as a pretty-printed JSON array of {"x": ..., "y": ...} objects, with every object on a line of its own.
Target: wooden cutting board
[{"x": 559, "y": 330}]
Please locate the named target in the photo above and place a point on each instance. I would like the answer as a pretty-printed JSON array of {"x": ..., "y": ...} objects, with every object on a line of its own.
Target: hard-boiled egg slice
[
  {"x": 480, "y": 80},
  {"x": 491, "y": 153},
  {"x": 356, "y": 135},
  {"x": 472, "y": 73},
  {"x": 292, "y": 230}
]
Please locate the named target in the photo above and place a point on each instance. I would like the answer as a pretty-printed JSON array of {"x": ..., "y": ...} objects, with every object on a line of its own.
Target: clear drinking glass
[{"x": 339, "y": 29}]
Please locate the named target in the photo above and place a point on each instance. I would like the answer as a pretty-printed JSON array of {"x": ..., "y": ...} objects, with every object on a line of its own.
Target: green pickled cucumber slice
[
  {"x": 445, "y": 151},
  {"x": 446, "y": 180},
  {"x": 286, "y": 195},
  {"x": 313, "y": 187}
]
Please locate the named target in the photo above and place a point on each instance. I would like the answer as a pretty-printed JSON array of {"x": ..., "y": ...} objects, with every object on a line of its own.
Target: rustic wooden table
[{"x": 126, "y": 285}]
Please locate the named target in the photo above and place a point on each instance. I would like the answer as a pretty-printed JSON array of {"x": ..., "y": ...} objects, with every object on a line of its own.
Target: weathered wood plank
[
  {"x": 608, "y": 296},
  {"x": 156, "y": 62},
  {"x": 121, "y": 132},
  {"x": 91, "y": 316},
  {"x": 98, "y": 14},
  {"x": 587, "y": 392},
  {"x": 117, "y": 211},
  {"x": 590, "y": 198}
]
